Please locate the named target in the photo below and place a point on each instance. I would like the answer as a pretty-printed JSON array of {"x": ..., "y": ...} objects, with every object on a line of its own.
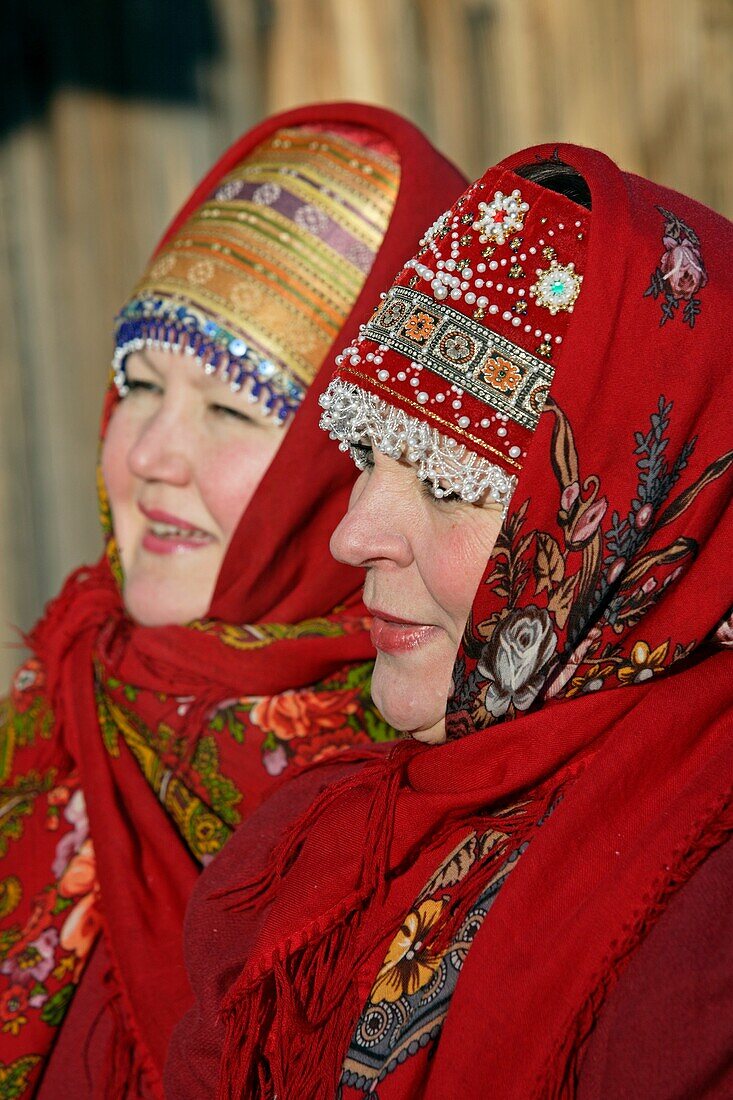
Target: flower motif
[
  {"x": 419, "y": 327},
  {"x": 32, "y": 962},
  {"x": 27, "y": 683},
  {"x": 13, "y": 1003},
  {"x": 69, "y": 844},
  {"x": 228, "y": 190},
  {"x": 202, "y": 272},
  {"x": 682, "y": 268},
  {"x": 643, "y": 516},
  {"x": 266, "y": 194},
  {"x": 501, "y": 217},
  {"x": 275, "y": 761},
  {"x": 557, "y": 287},
  {"x": 409, "y": 964},
  {"x": 680, "y": 273},
  {"x": 586, "y": 523},
  {"x": 309, "y": 750},
  {"x": 643, "y": 663},
  {"x": 81, "y": 926},
  {"x": 724, "y": 633},
  {"x": 80, "y": 873},
  {"x": 163, "y": 267},
  {"x": 501, "y": 373},
  {"x": 569, "y": 496},
  {"x": 295, "y": 714},
  {"x": 207, "y": 833},
  {"x": 457, "y": 347},
  {"x": 514, "y": 658},
  {"x": 312, "y": 219}
]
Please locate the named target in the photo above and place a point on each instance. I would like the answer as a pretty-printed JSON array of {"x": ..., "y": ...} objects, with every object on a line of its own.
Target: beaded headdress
[
  {"x": 453, "y": 368},
  {"x": 258, "y": 281}
]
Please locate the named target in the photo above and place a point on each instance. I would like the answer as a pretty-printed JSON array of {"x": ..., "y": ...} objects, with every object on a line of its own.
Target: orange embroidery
[
  {"x": 419, "y": 327},
  {"x": 501, "y": 374}
]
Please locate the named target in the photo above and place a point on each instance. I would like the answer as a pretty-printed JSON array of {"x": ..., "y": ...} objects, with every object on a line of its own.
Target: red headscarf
[
  {"x": 163, "y": 732},
  {"x": 588, "y": 767}
]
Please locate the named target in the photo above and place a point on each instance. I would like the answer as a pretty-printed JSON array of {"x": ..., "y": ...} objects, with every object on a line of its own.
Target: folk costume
[
  {"x": 130, "y": 754},
  {"x": 477, "y": 918}
]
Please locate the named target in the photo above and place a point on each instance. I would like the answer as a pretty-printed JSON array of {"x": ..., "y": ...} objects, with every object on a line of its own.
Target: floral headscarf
[{"x": 450, "y": 921}]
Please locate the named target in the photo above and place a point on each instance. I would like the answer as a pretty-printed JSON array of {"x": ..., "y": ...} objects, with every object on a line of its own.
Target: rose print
[
  {"x": 680, "y": 274},
  {"x": 682, "y": 268},
  {"x": 514, "y": 659}
]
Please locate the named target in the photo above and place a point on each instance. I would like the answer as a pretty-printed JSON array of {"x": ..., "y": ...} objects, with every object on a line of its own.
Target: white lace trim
[{"x": 358, "y": 418}]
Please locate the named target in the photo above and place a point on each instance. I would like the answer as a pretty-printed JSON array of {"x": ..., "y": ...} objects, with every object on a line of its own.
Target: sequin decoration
[
  {"x": 259, "y": 278},
  {"x": 557, "y": 287}
]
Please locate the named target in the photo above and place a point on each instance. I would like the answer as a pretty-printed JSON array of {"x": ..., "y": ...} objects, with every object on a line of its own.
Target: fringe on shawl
[
  {"x": 289, "y": 1011},
  {"x": 289, "y": 1016},
  {"x": 129, "y": 1072},
  {"x": 559, "y": 1078}
]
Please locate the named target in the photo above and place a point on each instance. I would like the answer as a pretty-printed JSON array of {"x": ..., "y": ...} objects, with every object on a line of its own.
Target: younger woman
[{"x": 216, "y": 645}]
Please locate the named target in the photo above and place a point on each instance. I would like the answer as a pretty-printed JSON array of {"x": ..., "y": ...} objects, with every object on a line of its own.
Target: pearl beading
[{"x": 355, "y": 417}]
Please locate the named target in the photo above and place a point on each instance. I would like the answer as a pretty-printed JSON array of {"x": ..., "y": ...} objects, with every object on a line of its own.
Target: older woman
[
  {"x": 531, "y": 897},
  {"x": 133, "y": 744}
]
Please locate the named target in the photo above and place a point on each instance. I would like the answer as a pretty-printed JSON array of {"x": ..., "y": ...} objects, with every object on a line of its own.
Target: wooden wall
[{"x": 86, "y": 189}]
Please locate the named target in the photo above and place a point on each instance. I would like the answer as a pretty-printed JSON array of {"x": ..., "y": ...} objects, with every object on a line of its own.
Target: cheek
[
  {"x": 230, "y": 476},
  {"x": 118, "y": 441},
  {"x": 467, "y": 550}
]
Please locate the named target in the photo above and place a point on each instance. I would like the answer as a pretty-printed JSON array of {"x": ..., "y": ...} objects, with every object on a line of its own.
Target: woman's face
[
  {"x": 424, "y": 559},
  {"x": 182, "y": 458}
]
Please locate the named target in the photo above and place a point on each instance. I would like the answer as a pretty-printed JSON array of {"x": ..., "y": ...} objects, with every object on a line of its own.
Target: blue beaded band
[{"x": 165, "y": 324}]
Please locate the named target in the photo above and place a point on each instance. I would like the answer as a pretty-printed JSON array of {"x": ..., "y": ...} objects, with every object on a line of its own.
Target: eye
[
  {"x": 139, "y": 385},
  {"x": 362, "y": 455},
  {"x": 226, "y": 411},
  {"x": 447, "y": 497}
]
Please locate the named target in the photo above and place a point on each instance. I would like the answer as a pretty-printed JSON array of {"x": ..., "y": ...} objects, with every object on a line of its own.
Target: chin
[
  {"x": 153, "y": 605},
  {"x": 411, "y": 704}
]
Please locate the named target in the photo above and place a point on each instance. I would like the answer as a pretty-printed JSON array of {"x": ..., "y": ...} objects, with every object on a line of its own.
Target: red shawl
[
  {"x": 166, "y": 730},
  {"x": 589, "y": 728}
]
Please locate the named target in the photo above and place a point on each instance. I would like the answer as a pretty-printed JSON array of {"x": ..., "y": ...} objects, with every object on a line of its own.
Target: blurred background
[{"x": 112, "y": 109}]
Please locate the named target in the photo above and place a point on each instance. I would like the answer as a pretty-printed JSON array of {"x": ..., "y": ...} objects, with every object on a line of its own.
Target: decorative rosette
[{"x": 453, "y": 369}]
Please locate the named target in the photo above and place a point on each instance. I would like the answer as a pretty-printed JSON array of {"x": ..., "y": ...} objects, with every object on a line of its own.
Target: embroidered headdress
[
  {"x": 257, "y": 282},
  {"x": 147, "y": 745},
  {"x": 588, "y": 768},
  {"x": 454, "y": 367}
]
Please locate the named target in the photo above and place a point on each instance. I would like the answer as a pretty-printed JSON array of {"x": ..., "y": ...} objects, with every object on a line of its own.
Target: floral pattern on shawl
[
  {"x": 680, "y": 274},
  {"x": 42, "y": 955},
  {"x": 570, "y": 602},
  {"x": 197, "y": 786},
  {"x": 409, "y": 1001},
  {"x": 49, "y": 925}
]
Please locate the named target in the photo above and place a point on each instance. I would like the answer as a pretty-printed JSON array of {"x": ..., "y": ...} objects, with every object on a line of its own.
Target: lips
[
  {"x": 167, "y": 534},
  {"x": 392, "y": 634}
]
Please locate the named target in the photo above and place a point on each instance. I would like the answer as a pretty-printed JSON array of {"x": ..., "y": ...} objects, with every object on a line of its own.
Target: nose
[
  {"x": 373, "y": 531},
  {"x": 161, "y": 451}
]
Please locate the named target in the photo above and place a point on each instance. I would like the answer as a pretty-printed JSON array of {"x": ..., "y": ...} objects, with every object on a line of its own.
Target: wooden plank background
[{"x": 86, "y": 189}]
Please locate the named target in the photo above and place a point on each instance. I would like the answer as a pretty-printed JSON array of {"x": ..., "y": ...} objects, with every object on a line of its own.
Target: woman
[
  {"x": 134, "y": 744},
  {"x": 518, "y": 901}
]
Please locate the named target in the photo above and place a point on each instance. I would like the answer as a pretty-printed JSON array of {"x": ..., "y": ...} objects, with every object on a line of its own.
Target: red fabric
[
  {"x": 278, "y": 570},
  {"x": 666, "y": 1029},
  {"x": 622, "y": 729}
]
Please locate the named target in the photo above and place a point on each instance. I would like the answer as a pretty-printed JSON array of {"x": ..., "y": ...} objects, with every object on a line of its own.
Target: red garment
[
  {"x": 137, "y": 716},
  {"x": 590, "y": 723}
]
